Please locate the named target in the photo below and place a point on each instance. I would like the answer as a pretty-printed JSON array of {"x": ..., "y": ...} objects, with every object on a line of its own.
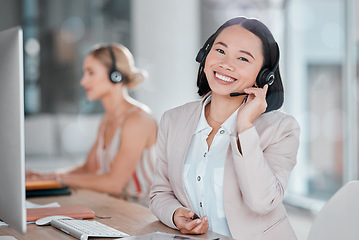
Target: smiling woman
[{"x": 235, "y": 153}]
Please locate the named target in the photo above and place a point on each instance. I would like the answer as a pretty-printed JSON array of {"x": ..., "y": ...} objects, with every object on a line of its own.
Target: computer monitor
[{"x": 12, "y": 149}]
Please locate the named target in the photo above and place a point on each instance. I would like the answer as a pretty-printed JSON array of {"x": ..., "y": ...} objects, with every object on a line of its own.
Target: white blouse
[{"x": 203, "y": 171}]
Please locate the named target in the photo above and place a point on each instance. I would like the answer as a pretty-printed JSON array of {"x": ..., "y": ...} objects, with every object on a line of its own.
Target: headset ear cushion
[
  {"x": 200, "y": 55},
  {"x": 115, "y": 76},
  {"x": 265, "y": 76},
  {"x": 261, "y": 77}
]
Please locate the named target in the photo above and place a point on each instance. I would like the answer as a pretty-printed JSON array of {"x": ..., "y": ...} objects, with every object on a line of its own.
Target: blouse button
[
  {"x": 199, "y": 178},
  {"x": 221, "y": 132},
  {"x": 204, "y": 154},
  {"x": 200, "y": 204}
]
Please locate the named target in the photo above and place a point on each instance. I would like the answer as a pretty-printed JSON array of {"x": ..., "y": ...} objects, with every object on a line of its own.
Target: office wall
[
  {"x": 166, "y": 39},
  {"x": 9, "y": 14}
]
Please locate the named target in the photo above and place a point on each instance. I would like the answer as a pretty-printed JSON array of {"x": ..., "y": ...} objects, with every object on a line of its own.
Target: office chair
[{"x": 339, "y": 218}]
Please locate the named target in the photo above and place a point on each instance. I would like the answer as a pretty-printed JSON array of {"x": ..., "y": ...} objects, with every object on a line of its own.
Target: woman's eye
[
  {"x": 220, "y": 51},
  {"x": 243, "y": 59}
]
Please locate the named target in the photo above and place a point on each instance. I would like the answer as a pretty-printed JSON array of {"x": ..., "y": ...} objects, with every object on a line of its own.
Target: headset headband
[{"x": 115, "y": 75}]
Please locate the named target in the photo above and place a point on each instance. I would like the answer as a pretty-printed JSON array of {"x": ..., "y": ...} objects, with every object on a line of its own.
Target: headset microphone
[
  {"x": 236, "y": 94},
  {"x": 115, "y": 75}
]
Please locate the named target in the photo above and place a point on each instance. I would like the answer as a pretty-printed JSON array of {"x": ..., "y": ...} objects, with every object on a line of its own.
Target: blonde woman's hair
[{"x": 125, "y": 63}]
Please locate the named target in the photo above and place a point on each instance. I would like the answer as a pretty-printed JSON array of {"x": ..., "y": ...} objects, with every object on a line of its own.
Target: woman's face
[
  {"x": 234, "y": 61},
  {"x": 95, "y": 79}
]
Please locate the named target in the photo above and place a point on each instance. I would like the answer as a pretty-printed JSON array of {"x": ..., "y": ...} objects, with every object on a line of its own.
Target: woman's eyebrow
[
  {"x": 221, "y": 43},
  {"x": 248, "y": 53},
  {"x": 242, "y": 51}
]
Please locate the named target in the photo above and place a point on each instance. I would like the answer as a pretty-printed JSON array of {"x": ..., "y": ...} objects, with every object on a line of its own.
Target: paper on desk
[
  {"x": 163, "y": 236},
  {"x": 29, "y": 204}
]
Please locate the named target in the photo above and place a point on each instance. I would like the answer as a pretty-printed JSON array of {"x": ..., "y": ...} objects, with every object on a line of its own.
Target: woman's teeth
[{"x": 224, "y": 78}]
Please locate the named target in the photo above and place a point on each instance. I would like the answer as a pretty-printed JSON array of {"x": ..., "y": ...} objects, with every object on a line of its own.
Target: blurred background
[{"x": 318, "y": 40}]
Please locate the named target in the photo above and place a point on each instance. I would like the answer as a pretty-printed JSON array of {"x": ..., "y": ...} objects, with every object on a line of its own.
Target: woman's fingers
[
  {"x": 257, "y": 92},
  {"x": 30, "y": 175},
  {"x": 197, "y": 226},
  {"x": 202, "y": 227},
  {"x": 189, "y": 223},
  {"x": 255, "y": 105}
]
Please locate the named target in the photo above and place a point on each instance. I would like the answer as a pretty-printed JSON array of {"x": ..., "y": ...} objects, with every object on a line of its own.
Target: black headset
[
  {"x": 265, "y": 75},
  {"x": 203, "y": 52},
  {"x": 115, "y": 75}
]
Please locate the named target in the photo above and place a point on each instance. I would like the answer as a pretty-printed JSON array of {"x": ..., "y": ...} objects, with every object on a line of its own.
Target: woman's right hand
[
  {"x": 254, "y": 106},
  {"x": 182, "y": 218}
]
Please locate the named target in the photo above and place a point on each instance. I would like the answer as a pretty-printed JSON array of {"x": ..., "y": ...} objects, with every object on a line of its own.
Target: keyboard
[{"x": 83, "y": 229}]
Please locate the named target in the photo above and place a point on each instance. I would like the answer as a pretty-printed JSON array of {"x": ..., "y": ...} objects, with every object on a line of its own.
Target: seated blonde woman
[{"x": 121, "y": 161}]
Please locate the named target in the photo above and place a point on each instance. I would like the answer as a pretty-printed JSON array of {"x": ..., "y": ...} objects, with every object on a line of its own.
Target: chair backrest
[{"x": 339, "y": 218}]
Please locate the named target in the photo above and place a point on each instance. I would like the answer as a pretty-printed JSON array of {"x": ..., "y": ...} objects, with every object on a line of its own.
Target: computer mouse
[{"x": 47, "y": 220}]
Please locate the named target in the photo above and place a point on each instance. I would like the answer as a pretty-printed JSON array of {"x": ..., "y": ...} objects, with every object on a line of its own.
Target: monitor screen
[{"x": 12, "y": 150}]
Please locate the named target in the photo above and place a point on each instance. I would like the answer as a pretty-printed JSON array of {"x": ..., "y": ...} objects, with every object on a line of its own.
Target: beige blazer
[{"x": 254, "y": 181}]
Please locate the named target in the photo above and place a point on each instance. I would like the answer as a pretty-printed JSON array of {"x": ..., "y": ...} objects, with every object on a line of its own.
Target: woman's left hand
[
  {"x": 187, "y": 224},
  {"x": 255, "y": 105}
]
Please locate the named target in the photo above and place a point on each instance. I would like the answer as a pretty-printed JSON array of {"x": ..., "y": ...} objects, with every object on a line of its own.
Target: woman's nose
[
  {"x": 227, "y": 64},
  {"x": 83, "y": 81}
]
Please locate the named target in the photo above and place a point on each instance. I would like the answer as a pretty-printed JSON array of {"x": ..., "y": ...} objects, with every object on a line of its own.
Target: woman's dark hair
[{"x": 275, "y": 93}]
